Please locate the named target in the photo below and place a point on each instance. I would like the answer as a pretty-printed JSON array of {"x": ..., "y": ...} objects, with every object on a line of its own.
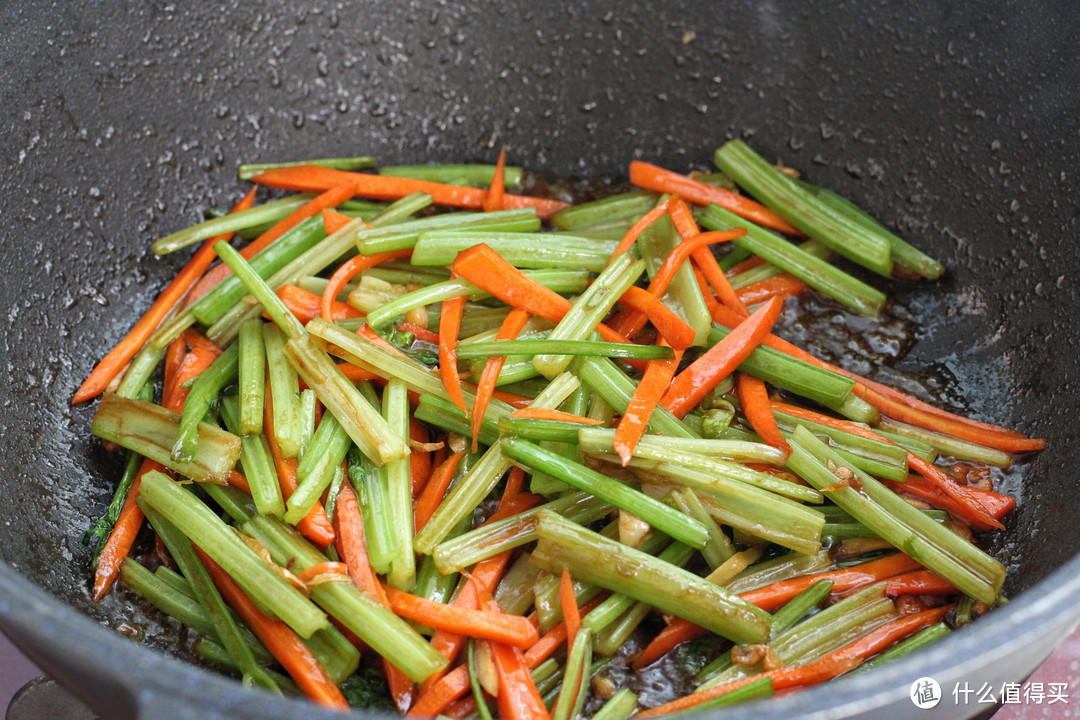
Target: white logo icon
[{"x": 925, "y": 693}]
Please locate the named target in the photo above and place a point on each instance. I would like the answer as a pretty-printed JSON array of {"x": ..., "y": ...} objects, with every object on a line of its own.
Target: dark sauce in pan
[{"x": 872, "y": 347}]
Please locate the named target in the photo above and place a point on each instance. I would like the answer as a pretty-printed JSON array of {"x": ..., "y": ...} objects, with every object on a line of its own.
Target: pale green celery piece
[
  {"x": 252, "y": 374},
  {"x": 514, "y": 593},
  {"x": 363, "y": 162},
  {"x": 403, "y": 236},
  {"x": 619, "y": 706},
  {"x": 267, "y": 588},
  {"x": 542, "y": 483},
  {"x": 598, "y": 560},
  {"x": 204, "y": 391},
  {"x": 767, "y": 270},
  {"x": 471, "y": 175},
  {"x": 523, "y": 250},
  {"x": 274, "y": 210},
  {"x": 339, "y": 395},
  {"x": 589, "y": 309},
  {"x": 284, "y": 391},
  {"x": 967, "y": 567},
  {"x": 615, "y": 635},
  {"x": 386, "y": 633},
  {"x": 785, "y": 567},
  {"x": 260, "y": 290},
  {"x": 877, "y": 457},
  {"x": 317, "y": 467},
  {"x": 373, "y": 496},
  {"x": 466, "y": 495},
  {"x": 913, "y": 446},
  {"x": 959, "y": 449},
  {"x": 402, "y": 210},
  {"x": 683, "y": 295},
  {"x": 395, "y": 409},
  {"x": 138, "y": 373},
  {"x": 655, "y": 448},
  {"x": 493, "y": 538},
  {"x": 170, "y": 330},
  {"x": 574, "y": 685},
  {"x": 856, "y": 409},
  {"x": 625, "y": 207},
  {"x": 614, "y": 606},
  {"x": 307, "y": 419},
  {"x": 150, "y": 430},
  {"x": 719, "y": 547},
  {"x": 257, "y": 462}
]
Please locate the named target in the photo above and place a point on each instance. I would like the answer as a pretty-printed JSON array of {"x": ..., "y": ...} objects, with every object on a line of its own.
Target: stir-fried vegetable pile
[{"x": 490, "y": 448}]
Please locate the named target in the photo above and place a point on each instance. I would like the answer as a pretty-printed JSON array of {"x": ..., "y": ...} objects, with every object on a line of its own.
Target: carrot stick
[
  {"x": 884, "y": 636},
  {"x": 518, "y": 697},
  {"x": 671, "y": 327},
  {"x": 286, "y": 647},
  {"x": 323, "y": 568},
  {"x": 646, "y": 396},
  {"x": 919, "y": 582},
  {"x": 421, "y": 333},
  {"x": 640, "y": 226},
  {"x": 509, "y": 329},
  {"x": 312, "y": 178},
  {"x": 117, "y": 358},
  {"x": 122, "y": 537},
  {"x": 748, "y": 264},
  {"x": 571, "y": 613},
  {"x": 435, "y": 490},
  {"x": 707, "y": 292},
  {"x": 494, "y": 198},
  {"x": 759, "y": 412},
  {"x": 332, "y": 197},
  {"x": 773, "y": 596},
  {"x": 305, "y": 305},
  {"x": 996, "y": 504},
  {"x": 315, "y": 526},
  {"x": 351, "y": 546},
  {"x": 777, "y": 286},
  {"x": 334, "y": 221},
  {"x": 450, "y": 687},
  {"x": 449, "y": 324},
  {"x": 651, "y": 177},
  {"x": 514, "y": 483},
  {"x": 719, "y": 361},
  {"x": 419, "y": 460},
  {"x": 532, "y": 413},
  {"x": 350, "y": 269},
  {"x": 497, "y": 627},
  {"x": 517, "y": 401},
  {"x": 356, "y": 373},
  {"x": 710, "y": 268}
]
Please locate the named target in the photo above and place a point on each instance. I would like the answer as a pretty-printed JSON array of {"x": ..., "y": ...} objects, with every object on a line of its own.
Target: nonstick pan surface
[{"x": 957, "y": 125}]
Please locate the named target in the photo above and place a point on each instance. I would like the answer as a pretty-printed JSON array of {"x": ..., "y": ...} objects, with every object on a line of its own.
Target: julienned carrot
[
  {"x": 531, "y": 413},
  {"x": 773, "y": 596},
  {"x": 509, "y": 629},
  {"x": 705, "y": 260},
  {"x": 351, "y": 546},
  {"x": 334, "y": 221},
  {"x": 323, "y": 568},
  {"x": 997, "y": 504},
  {"x": 494, "y": 199},
  {"x": 421, "y": 333},
  {"x": 719, "y": 361},
  {"x": 654, "y": 383},
  {"x": 285, "y": 645},
  {"x": 315, "y": 526},
  {"x": 332, "y": 197},
  {"x": 782, "y": 285},
  {"x": 748, "y": 264},
  {"x": 919, "y": 582},
  {"x": 884, "y": 636},
  {"x": 312, "y": 178},
  {"x": 450, "y": 687},
  {"x": 514, "y": 482},
  {"x": 758, "y": 410},
  {"x": 640, "y": 226},
  {"x": 671, "y": 327},
  {"x": 117, "y": 358},
  {"x": 449, "y": 324},
  {"x": 356, "y": 373},
  {"x": 509, "y": 329},
  {"x": 350, "y": 269},
  {"x": 518, "y": 697},
  {"x": 517, "y": 401},
  {"x": 657, "y": 179},
  {"x": 419, "y": 459},
  {"x": 707, "y": 292},
  {"x": 435, "y": 490},
  {"x": 306, "y": 305},
  {"x": 571, "y": 613}
]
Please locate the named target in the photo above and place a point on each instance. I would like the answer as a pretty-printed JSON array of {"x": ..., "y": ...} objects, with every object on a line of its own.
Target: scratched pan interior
[{"x": 122, "y": 122}]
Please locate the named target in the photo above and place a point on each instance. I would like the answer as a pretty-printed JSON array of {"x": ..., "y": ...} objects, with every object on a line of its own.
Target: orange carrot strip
[
  {"x": 671, "y": 327},
  {"x": 494, "y": 198},
  {"x": 719, "y": 361},
  {"x": 330, "y": 198},
  {"x": 449, "y": 324},
  {"x": 919, "y": 582},
  {"x": 463, "y": 708},
  {"x": 517, "y": 401},
  {"x": 122, "y": 537},
  {"x": 356, "y": 373},
  {"x": 884, "y": 636},
  {"x": 758, "y": 410},
  {"x": 532, "y": 413},
  {"x": 514, "y": 482},
  {"x": 973, "y": 510},
  {"x": 710, "y": 268},
  {"x": 315, "y": 526},
  {"x": 421, "y": 333},
  {"x": 748, "y": 264},
  {"x": 350, "y": 269},
  {"x": 518, "y": 697},
  {"x": 509, "y": 329},
  {"x": 777, "y": 286},
  {"x": 640, "y": 226},
  {"x": 441, "y": 694},
  {"x": 643, "y": 402},
  {"x": 996, "y": 504},
  {"x": 435, "y": 490},
  {"x": 306, "y": 305},
  {"x": 571, "y": 613},
  {"x": 651, "y": 177},
  {"x": 773, "y": 596},
  {"x": 419, "y": 460},
  {"x": 324, "y": 568},
  {"x": 706, "y": 292},
  {"x": 312, "y": 178},
  {"x": 286, "y": 647},
  {"x": 334, "y": 221},
  {"x": 683, "y": 251},
  {"x": 497, "y": 627},
  {"x": 351, "y": 546},
  {"x": 117, "y": 358}
]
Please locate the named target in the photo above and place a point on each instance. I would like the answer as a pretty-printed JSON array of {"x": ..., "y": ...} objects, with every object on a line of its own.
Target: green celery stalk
[
  {"x": 768, "y": 270},
  {"x": 619, "y": 706},
  {"x": 252, "y": 377},
  {"x": 683, "y": 295},
  {"x": 204, "y": 392},
  {"x": 472, "y": 175},
  {"x": 284, "y": 391},
  {"x": 719, "y": 547},
  {"x": 267, "y": 212},
  {"x": 615, "y": 388},
  {"x": 917, "y": 641},
  {"x": 524, "y": 250},
  {"x": 363, "y": 162},
  {"x": 258, "y": 463},
  {"x": 616, "y": 208},
  {"x": 404, "y": 235},
  {"x": 402, "y": 574},
  {"x": 315, "y": 471},
  {"x": 574, "y": 683},
  {"x": 959, "y": 449},
  {"x": 553, "y": 346},
  {"x": 402, "y": 210},
  {"x": 373, "y": 494}
]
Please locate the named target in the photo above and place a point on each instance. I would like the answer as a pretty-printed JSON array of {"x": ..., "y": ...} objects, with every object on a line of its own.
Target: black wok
[{"x": 955, "y": 123}]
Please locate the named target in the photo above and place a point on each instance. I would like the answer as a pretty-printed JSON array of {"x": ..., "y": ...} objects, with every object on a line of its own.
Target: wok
[{"x": 955, "y": 123}]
